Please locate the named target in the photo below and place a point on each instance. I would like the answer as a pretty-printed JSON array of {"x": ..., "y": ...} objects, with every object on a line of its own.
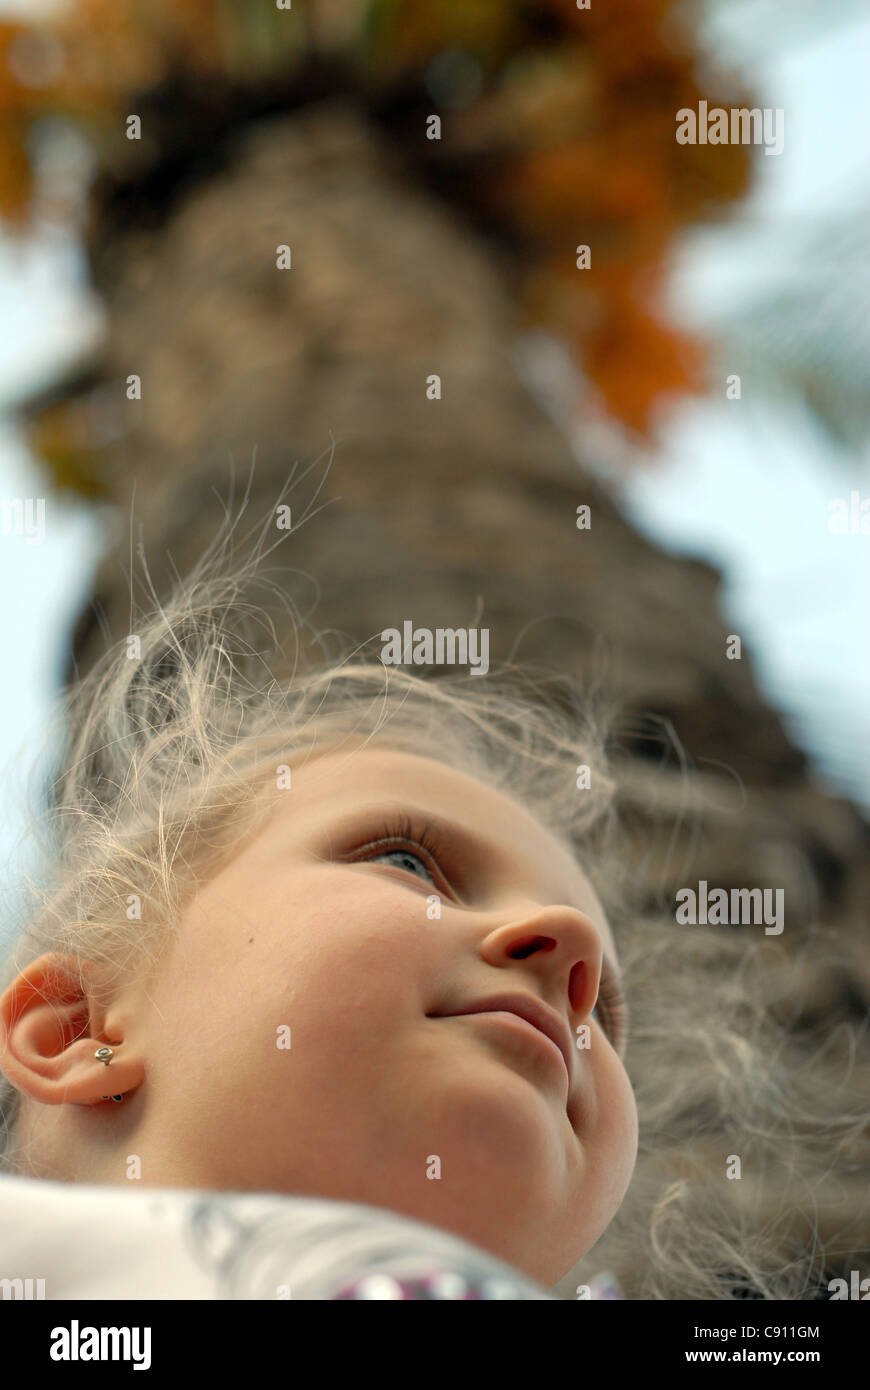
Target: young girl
[{"x": 337, "y": 962}]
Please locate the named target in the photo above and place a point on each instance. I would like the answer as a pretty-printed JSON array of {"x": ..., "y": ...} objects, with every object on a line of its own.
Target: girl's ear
[{"x": 51, "y": 1025}]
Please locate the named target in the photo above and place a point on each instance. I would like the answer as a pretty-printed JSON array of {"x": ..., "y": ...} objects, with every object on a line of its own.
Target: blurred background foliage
[{"x": 558, "y": 130}]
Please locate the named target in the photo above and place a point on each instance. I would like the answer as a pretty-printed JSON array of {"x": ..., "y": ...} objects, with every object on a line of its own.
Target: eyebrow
[{"x": 481, "y": 847}]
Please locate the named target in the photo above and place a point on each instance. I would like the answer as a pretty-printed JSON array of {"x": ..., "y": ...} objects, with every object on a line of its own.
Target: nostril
[
  {"x": 535, "y": 943},
  {"x": 577, "y": 985}
]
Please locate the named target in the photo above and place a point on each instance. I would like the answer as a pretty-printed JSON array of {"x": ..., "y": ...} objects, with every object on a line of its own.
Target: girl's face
[{"x": 308, "y": 1029}]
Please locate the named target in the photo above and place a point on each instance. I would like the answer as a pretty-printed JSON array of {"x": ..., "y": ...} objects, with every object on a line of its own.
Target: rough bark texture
[{"x": 438, "y": 506}]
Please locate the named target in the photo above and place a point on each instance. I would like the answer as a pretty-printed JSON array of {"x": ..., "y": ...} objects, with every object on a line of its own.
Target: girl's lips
[
  {"x": 540, "y": 1040},
  {"x": 534, "y": 1012}
]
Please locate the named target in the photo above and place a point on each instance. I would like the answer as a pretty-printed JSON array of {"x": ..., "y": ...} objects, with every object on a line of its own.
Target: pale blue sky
[{"x": 748, "y": 483}]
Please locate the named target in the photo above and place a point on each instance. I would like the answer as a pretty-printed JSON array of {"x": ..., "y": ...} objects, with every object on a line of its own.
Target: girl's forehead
[{"x": 501, "y": 835}]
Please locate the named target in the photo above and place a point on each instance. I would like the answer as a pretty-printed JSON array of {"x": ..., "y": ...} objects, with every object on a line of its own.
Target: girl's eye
[
  {"x": 411, "y": 847},
  {"x": 403, "y": 859}
]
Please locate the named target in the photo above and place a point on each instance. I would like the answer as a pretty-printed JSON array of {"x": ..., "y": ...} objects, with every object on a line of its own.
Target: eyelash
[{"x": 402, "y": 832}]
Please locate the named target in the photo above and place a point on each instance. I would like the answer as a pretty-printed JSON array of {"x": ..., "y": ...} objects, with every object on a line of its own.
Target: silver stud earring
[{"x": 105, "y": 1055}]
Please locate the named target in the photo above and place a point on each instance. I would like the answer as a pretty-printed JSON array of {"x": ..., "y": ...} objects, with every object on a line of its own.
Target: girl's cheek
[{"x": 618, "y": 1091}]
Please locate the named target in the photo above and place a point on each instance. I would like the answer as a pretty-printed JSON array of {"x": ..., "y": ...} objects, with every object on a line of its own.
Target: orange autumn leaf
[{"x": 635, "y": 362}]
